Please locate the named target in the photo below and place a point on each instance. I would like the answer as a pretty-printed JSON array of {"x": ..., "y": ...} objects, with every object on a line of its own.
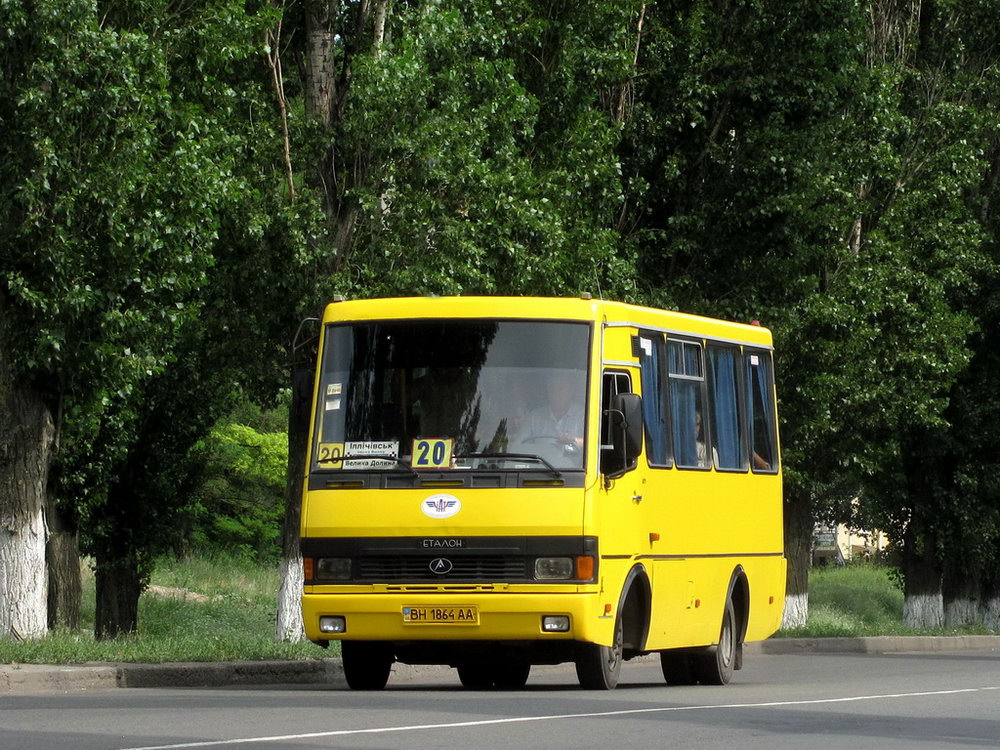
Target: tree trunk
[
  {"x": 990, "y": 601},
  {"x": 288, "y": 626},
  {"x": 27, "y": 433},
  {"x": 961, "y": 592},
  {"x": 319, "y": 78},
  {"x": 798, "y": 548},
  {"x": 923, "y": 606},
  {"x": 119, "y": 585},
  {"x": 62, "y": 558},
  {"x": 379, "y": 33}
]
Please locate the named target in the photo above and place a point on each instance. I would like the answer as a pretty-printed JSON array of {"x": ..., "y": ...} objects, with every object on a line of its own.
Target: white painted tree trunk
[
  {"x": 26, "y": 439},
  {"x": 923, "y": 611},
  {"x": 796, "y": 611},
  {"x": 959, "y": 612},
  {"x": 288, "y": 626},
  {"x": 22, "y": 576},
  {"x": 991, "y": 613}
]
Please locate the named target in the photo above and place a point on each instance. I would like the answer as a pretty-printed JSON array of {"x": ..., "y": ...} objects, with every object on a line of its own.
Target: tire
[
  {"x": 512, "y": 676},
  {"x": 366, "y": 664},
  {"x": 476, "y": 676},
  {"x": 598, "y": 667},
  {"x": 717, "y": 665},
  {"x": 677, "y": 668}
]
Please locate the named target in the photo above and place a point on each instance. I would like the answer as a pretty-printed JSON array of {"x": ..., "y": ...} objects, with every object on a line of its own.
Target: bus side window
[
  {"x": 687, "y": 380},
  {"x": 613, "y": 384},
  {"x": 650, "y": 350},
  {"x": 759, "y": 395},
  {"x": 726, "y": 417}
]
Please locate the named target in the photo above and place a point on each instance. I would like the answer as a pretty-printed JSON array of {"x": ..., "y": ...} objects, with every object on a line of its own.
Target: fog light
[
  {"x": 334, "y": 624},
  {"x": 555, "y": 624}
]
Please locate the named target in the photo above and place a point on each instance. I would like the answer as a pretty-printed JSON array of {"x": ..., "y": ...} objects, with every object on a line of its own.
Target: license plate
[{"x": 440, "y": 615}]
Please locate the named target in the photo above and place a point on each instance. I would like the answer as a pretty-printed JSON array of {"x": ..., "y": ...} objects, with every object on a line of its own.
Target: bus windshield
[{"x": 452, "y": 394}]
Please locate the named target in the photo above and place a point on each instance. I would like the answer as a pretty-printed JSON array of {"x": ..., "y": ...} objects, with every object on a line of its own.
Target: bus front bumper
[{"x": 402, "y": 617}]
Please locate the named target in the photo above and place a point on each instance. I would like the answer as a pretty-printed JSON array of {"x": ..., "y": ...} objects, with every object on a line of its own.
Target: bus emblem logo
[
  {"x": 441, "y": 566},
  {"x": 441, "y": 506}
]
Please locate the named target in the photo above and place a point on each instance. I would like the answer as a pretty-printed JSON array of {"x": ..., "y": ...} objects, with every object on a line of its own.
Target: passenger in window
[
  {"x": 759, "y": 463},
  {"x": 699, "y": 440},
  {"x": 700, "y": 448}
]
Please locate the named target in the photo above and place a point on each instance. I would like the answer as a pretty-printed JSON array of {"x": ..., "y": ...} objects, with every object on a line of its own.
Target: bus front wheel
[
  {"x": 366, "y": 664},
  {"x": 598, "y": 667}
]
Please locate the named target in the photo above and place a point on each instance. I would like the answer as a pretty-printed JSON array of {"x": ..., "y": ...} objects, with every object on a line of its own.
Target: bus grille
[{"x": 464, "y": 568}]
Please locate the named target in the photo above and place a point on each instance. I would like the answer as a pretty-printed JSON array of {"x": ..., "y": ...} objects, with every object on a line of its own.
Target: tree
[
  {"x": 105, "y": 219},
  {"x": 740, "y": 199},
  {"x": 925, "y": 227}
]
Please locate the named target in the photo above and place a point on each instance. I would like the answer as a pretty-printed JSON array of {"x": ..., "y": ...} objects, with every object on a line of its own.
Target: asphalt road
[{"x": 917, "y": 701}]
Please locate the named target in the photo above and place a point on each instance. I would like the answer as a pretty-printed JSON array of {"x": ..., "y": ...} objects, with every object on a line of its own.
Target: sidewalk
[{"x": 33, "y": 678}]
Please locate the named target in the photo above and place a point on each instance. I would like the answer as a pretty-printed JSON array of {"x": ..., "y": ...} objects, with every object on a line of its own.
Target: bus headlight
[
  {"x": 553, "y": 568},
  {"x": 333, "y": 569}
]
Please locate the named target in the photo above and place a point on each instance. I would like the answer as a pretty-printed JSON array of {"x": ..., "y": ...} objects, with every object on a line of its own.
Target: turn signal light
[
  {"x": 307, "y": 568},
  {"x": 585, "y": 568}
]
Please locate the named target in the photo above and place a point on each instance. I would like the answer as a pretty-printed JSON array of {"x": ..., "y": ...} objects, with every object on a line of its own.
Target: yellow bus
[{"x": 497, "y": 482}]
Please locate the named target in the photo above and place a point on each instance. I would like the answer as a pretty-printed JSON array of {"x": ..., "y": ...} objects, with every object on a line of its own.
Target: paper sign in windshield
[{"x": 371, "y": 448}]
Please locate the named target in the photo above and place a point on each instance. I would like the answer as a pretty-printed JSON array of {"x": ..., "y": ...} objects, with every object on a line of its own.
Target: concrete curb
[
  {"x": 221, "y": 674},
  {"x": 885, "y": 644},
  {"x": 34, "y": 678}
]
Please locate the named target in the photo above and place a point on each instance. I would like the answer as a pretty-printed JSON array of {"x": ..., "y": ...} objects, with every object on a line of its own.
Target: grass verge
[
  {"x": 220, "y": 609},
  {"x": 858, "y": 601},
  {"x": 200, "y": 609}
]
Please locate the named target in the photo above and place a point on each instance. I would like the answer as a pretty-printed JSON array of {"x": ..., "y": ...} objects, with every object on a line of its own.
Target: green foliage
[
  {"x": 489, "y": 157},
  {"x": 239, "y": 503}
]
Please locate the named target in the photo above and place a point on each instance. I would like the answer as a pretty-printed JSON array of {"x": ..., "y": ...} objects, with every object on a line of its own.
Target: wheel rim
[
  {"x": 726, "y": 650},
  {"x": 614, "y": 653}
]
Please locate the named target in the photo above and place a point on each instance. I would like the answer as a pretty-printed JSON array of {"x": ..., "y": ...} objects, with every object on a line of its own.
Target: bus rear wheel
[
  {"x": 366, "y": 664},
  {"x": 598, "y": 667},
  {"x": 716, "y": 666},
  {"x": 676, "y": 668}
]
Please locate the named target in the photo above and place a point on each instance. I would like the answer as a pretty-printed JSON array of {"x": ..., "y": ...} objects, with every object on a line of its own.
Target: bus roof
[{"x": 612, "y": 314}]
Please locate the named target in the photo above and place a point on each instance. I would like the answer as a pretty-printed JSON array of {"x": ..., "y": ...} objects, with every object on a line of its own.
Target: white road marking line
[{"x": 552, "y": 717}]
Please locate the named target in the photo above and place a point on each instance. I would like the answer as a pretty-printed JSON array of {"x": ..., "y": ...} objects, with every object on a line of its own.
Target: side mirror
[{"x": 625, "y": 416}]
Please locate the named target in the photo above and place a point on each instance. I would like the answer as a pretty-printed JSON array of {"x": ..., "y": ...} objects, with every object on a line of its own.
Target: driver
[{"x": 559, "y": 420}]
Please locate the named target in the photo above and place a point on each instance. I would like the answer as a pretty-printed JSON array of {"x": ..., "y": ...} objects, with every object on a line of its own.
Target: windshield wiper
[
  {"x": 358, "y": 456},
  {"x": 516, "y": 456}
]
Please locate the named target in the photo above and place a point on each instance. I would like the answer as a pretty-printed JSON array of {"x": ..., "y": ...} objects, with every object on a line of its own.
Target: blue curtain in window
[
  {"x": 691, "y": 364},
  {"x": 652, "y": 406},
  {"x": 683, "y": 406},
  {"x": 725, "y": 408}
]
